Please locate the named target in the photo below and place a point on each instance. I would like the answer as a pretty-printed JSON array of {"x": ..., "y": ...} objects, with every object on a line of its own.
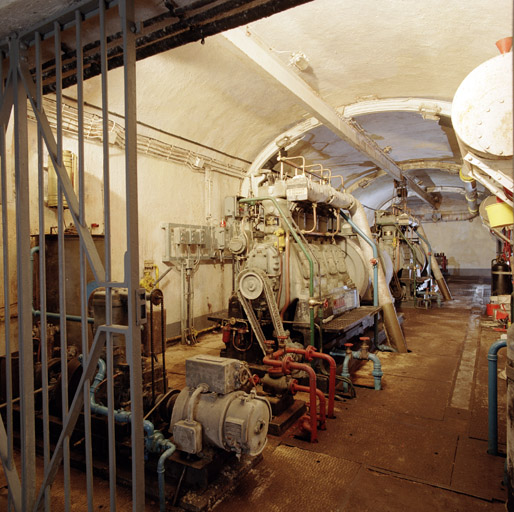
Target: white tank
[{"x": 482, "y": 108}]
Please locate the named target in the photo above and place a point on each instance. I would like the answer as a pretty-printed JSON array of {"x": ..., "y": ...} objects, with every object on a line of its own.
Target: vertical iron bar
[
  {"x": 107, "y": 236},
  {"x": 42, "y": 269},
  {"x": 83, "y": 267},
  {"x": 62, "y": 267},
  {"x": 133, "y": 339},
  {"x": 7, "y": 294},
  {"x": 24, "y": 282}
]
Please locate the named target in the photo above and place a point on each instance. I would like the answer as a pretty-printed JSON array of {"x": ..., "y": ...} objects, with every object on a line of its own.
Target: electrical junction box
[
  {"x": 222, "y": 375},
  {"x": 187, "y": 435}
]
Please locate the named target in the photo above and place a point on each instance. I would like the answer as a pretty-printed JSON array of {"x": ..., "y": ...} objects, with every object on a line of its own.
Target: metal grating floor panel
[{"x": 350, "y": 319}]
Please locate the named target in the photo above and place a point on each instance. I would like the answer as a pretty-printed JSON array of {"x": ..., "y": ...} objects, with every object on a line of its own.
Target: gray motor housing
[{"x": 202, "y": 416}]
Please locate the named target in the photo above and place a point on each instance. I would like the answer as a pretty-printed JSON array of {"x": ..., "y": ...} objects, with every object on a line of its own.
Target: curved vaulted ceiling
[{"x": 393, "y": 66}]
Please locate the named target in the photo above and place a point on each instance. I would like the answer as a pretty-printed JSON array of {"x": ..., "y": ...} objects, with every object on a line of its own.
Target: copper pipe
[{"x": 314, "y": 210}]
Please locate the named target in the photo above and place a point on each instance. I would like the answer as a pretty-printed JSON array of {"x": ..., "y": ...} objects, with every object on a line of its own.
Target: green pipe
[
  {"x": 297, "y": 239},
  {"x": 36, "y": 312},
  {"x": 375, "y": 254}
]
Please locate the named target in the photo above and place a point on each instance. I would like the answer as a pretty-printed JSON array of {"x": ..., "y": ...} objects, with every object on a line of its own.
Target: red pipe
[
  {"x": 309, "y": 353},
  {"x": 322, "y": 403},
  {"x": 287, "y": 365}
]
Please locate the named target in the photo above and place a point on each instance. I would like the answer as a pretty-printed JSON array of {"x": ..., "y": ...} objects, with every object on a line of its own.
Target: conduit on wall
[{"x": 145, "y": 145}]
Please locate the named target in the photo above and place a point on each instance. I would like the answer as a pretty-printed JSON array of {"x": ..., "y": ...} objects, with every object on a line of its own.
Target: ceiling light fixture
[{"x": 299, "y": 60}]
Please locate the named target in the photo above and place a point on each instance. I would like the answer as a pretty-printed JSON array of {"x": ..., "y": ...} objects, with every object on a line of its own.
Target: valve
[{"x": 348, "y": 348}]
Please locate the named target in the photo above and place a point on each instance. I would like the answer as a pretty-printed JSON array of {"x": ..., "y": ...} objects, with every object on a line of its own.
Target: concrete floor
[{"x": 418, "y": 444}]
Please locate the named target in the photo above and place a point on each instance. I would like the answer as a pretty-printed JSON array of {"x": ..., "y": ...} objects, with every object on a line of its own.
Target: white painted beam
[{"x": 347, "y": 129}]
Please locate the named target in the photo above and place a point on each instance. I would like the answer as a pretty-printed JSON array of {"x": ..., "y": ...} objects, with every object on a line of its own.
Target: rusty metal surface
[
  {"x": 477, "y": 473},
  {"x": 419, "y": 448},
  {"x": 373, "y": 490},
  {"x": 291, "y": 480}
]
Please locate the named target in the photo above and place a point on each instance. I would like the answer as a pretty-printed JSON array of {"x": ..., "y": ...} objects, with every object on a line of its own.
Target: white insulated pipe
[
  {"x": 385, "y": 300},
  {"x": 435, "y": 266}
]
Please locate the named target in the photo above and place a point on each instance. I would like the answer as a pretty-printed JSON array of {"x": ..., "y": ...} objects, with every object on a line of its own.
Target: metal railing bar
[
  {"x": 26, "y": 361},
  {"x": 133, "y": 338},
  {"x": 7, "y": 100},
  {"x": 107, "y": 241},
  {"x": 13, "y": 480},
  {"x": 8, "y": 462},
  {"x": 82, "y": 263},
  {"x": 63, "y": 333},
  {"x": 42, "y": 272},
  {"x": 89, "y": 367},
  {"x": 73, "y": 205}
]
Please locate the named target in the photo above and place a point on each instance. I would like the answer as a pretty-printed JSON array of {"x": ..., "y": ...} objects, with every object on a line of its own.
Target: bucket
[{"x": 500, "y": 215}]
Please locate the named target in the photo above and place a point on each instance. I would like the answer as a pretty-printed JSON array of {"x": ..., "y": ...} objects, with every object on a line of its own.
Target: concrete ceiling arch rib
[
  {"x": 426, "y": 107},
  {"x": 411, "y": 165}
]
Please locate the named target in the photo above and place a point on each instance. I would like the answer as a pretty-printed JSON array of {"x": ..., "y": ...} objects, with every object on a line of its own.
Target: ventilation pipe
[
  {"x": 385, "y": 300},
  {"x": 470, "y": 185},
  {"x": 441, "y": 282}
]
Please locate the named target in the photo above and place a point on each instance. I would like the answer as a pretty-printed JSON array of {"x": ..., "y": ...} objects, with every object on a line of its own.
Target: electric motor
[{"x": 214, "y": 411}]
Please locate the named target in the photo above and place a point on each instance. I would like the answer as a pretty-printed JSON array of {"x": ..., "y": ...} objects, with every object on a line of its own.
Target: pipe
[
  {"x": 470, "y": 186},
  {"x": 160, "y": 475},
  {"x": 286, "y": 364},
  {"x": 425, "y": 244},
  {"x": 414, "y": 275},
  {"x": 315, "y": 220},
  {"x": 374, "y": 248},
  {"x": 438, "y": 275},
  {"x": 311, "y": 353},
  {"x": 287, "y": 283},
  {"x": 492, "y": 396},
  {"x": 357, "y": 354},
  {"x": 36, "y": 312},
  {"x": 253, "y": 200},
  {"x": 322, "y": 403},
  {"x": 154, "y": 442},
  {"x": 202, "y": 388},
  {"x": 385, "y": 300}
]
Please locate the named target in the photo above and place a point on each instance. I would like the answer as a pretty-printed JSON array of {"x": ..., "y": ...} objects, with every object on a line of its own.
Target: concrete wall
[
  {"x": 468, "y": 246},
  {"x": 168, "y": 192}
]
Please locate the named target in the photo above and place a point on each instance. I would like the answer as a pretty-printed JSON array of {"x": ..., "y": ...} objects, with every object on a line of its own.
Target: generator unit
[{"x": 300, "y": 272}]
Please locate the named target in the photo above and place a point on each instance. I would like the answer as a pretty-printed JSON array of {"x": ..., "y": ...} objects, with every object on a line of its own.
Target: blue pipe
[
  {"x": 357, "y": 354},
  {"x": 492, "y": 357},
  {"x": 36, "y": 312},
  {"x": 160, "y": 475},
  {"x": 154, "y": 441},
  {"x": 386, "y": 348}
]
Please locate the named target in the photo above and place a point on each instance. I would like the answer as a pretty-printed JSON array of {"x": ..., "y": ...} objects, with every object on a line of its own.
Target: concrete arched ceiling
[{"x": 358, "y": 50}]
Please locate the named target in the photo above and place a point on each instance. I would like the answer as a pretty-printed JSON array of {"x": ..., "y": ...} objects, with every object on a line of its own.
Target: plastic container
[{"x": 500, "y": 215}]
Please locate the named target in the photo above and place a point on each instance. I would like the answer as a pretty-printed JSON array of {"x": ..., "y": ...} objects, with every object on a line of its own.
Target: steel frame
[{"x": 19, "y": 85}]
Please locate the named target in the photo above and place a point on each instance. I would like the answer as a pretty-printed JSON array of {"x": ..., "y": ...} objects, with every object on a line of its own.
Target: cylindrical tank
[
  {"x": 482, "y": 108},
  {"x": 501, "y": 275}
]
